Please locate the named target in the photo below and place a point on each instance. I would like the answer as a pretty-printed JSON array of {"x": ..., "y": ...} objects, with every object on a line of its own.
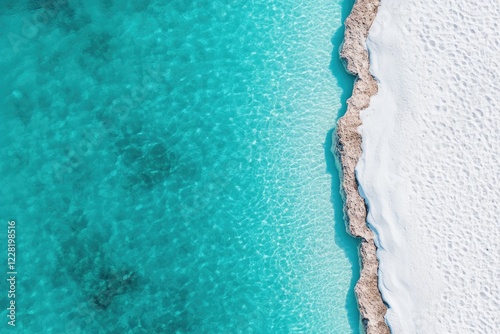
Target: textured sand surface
[
  {"x": 429, "y": 170},
  {"x": 371, "y": 306}
]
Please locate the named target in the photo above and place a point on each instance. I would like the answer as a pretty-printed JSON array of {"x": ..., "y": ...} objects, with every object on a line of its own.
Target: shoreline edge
[{"x": 347, "y": 145}]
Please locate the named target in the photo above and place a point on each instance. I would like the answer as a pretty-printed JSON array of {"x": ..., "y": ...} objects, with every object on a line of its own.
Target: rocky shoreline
[{"x": 348, "y": 146}]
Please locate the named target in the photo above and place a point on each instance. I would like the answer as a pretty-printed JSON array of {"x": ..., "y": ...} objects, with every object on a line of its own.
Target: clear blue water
[{"x": 167, "y": 166}]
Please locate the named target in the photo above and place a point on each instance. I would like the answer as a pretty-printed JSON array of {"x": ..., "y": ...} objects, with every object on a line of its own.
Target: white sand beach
[{"x": 430, "y": 165}]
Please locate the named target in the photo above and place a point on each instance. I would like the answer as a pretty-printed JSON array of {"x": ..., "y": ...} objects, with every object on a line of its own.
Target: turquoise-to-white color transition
[{"x": 167, "y": 164}]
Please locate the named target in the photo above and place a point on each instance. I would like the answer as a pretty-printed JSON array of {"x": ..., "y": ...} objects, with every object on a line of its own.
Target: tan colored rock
[{"x": 357, "y": 25}]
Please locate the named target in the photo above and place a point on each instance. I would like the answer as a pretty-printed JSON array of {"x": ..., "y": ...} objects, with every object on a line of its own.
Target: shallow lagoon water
[{"x": 165, "y": 165}]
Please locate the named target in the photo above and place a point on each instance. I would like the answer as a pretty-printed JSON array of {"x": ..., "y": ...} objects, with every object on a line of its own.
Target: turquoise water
[{"x": 165, "y": 164}]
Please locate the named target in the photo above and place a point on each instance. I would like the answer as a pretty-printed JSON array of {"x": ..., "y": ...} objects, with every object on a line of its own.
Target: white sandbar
[{"x": 430, "y": 169}]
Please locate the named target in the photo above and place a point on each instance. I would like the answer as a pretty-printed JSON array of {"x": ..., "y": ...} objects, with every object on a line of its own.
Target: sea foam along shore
[
  {"x": 429, "y": 169},
  {"x": 348, "y": 146}
]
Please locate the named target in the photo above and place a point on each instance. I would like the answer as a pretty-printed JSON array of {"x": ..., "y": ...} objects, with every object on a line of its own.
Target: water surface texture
[{"x": 165, "y": 164}]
